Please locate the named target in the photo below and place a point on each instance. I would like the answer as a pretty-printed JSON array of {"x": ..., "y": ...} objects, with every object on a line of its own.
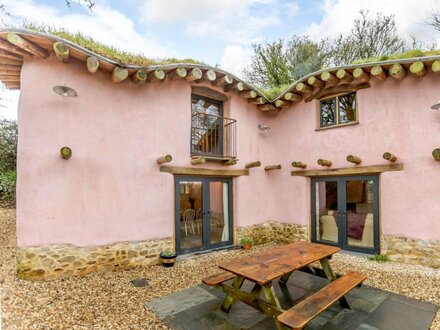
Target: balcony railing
[{"x": 213, "y": 136}]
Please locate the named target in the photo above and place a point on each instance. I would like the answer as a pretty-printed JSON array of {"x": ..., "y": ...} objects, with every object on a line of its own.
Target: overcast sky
[{"x": 213, "y": 31}]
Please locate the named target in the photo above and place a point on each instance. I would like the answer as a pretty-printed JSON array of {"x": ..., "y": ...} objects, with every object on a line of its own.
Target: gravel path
[{"x": 110, "y": 301}]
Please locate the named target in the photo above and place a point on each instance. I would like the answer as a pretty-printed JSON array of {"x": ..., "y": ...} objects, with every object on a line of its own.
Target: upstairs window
[{"x": 338, "y": 110}]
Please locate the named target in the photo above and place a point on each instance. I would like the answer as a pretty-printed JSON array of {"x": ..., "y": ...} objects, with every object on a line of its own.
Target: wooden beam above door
[
  {"x": 373, "y": 169},
  {"x": 202, "y": 171}
]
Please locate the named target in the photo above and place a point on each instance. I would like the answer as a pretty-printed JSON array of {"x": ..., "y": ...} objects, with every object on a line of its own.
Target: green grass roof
[
  {"x": 409, "y": 54},
  {"x": 127, "y": 58},
  {"x": 109, "y": 52}
]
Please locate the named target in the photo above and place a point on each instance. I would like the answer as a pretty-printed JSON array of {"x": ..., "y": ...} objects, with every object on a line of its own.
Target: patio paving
[{"x": 372, "y": 309}]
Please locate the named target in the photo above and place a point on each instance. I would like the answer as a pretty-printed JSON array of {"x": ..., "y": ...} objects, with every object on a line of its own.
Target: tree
[
  {"x": 8, "y": 145},
  {"x": 282, "y": 62},
  {"x": 8, "y": 156},
  {"x": 369, "y": 37},
  {"x": 88, "y": 3},
  {"x": 434, "y": 20}
]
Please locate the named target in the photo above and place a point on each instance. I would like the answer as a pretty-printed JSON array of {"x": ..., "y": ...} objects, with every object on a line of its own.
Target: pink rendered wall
[
  {"x": 111, "y": 189},
  {"x": 394, "y": 116}
]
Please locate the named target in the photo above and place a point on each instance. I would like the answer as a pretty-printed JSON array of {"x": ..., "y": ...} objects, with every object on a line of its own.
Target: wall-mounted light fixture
[
  {"x": 263, "y": 128},
  {"x": 65, "y": 91}
]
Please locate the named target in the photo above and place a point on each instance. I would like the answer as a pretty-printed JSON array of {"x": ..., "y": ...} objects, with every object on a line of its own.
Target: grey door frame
[
  {"x": 342, "y": 211},
  {"x": 206, "y": 223}
]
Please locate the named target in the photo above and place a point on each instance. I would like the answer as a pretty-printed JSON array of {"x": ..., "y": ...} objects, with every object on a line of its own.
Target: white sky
[{"x": 213, "y": 31}]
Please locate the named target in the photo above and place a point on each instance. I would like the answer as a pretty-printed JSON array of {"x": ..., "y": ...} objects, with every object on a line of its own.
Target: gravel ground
[{"x": 110, "y": 301}]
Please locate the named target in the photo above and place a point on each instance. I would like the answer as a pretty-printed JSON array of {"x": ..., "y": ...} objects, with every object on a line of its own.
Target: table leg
[
  {"x": 271, "y": 298},
  {"x": 332, "y": 277},
  {"x": 229, "y": 300},
  {"x": 256, "y": 291},
  {"x": 285, "y": 278}
]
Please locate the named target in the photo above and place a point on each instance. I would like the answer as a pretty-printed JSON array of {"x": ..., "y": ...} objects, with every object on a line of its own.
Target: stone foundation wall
[
  {"x": 273, "y": 232},
  {"x": 60, "y": 261},
  {"x": 412, "y": 251}
]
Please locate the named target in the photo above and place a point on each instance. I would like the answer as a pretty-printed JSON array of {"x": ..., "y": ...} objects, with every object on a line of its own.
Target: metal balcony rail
[{"x": 213, "y": 136}]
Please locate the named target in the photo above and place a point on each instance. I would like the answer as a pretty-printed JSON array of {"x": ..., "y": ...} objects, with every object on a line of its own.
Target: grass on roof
[
  {"x": 409, "y": 54},
  {"x": 275, "y": 91},
  {"x": 109, "y": 52}
]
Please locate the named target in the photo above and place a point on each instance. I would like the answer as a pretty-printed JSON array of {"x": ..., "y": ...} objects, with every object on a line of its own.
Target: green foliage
[
  {"x": 8, "y": 145},
  {"x": 281, "y": 62},
  {"x": 167, "y": 253},
  {"x": 246, "y": 240},
  {"x": 7, "y": 186},
  {"x": 278, "y": 64},
  {"x": 379, "y": 258},
  {"x": 104, "y": 50},
  {"x": 8, "y": 159},
  {"x": 275, "y": 91}
]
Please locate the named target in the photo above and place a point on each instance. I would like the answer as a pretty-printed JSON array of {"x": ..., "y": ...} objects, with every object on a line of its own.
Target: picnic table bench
[{"x": 279, "y": 263}]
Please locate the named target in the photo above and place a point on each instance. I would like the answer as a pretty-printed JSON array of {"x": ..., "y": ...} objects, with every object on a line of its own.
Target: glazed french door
[
  {"x": 345, "y": 212},
  {"x": 203, "y": 213}
]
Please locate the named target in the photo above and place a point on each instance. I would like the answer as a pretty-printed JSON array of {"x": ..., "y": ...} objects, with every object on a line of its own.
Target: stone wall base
[
  {"x": 412, "y": 251},
  {"x": 60, "y": 261},
  {"x": 273, "y": 232}
]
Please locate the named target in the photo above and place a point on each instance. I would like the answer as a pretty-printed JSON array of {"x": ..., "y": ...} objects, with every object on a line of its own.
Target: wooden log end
[
  {"x": 292, "y": 97},
  {"x": 314, "y": 81},
  {"x": 354, "y": 159},
  {"x": 397, "y": 71},
  {"x": 272, "y": 167},
  {"x": 328, "y": 77},
  {"x": 194, "y": 74},
  {"x": 66, "y": 152},
  {"x": 164, "y": 159},
  {"x": 389, "y": 156},
  {"x": 198, "y": 160},
  {"x": 324, "y": 162},
  {"x": 303, "y": 88},
  {"x": 26, "y": 45},
  {"x": 61, "y": 51},
  {"x": 119, "y": 74},
  {"x": 229, "y": 162},
  {"x": 299, "y": 165},
  {"x": 253, "y": 164},
  {"x": 435, "y": 67},
  {"x": 92, "y": 64},
  {"x": 418, "y": 69},
  {"x": 282, "y": 103},
  {"x": 139, "y": 77}
]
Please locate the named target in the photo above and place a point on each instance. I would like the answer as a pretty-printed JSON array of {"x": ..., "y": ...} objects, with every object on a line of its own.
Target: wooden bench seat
[
  {"x": 218, "y": 278},
  {"x": 299, "y": 315}
]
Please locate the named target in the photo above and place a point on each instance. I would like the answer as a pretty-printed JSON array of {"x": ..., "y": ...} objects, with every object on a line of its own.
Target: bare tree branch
[{"x": 88, "y": 3}]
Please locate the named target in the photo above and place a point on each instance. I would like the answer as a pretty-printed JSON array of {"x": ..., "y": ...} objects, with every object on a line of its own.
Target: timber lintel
[
  {"x": 373, "y": 169},
  {"x": 203, "y": 171}
]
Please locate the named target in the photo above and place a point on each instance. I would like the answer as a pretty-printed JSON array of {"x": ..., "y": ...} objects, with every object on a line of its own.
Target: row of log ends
[
  {"x": 342, "y": 76},
  {"x": 16, "y": 47}
]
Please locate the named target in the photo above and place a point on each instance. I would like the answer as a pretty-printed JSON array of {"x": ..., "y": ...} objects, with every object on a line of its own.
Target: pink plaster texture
[{"x": 111, "y": 189}]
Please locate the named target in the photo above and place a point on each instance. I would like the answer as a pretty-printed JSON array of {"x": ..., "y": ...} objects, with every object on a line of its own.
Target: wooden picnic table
[{"x": 279, "y": 263}]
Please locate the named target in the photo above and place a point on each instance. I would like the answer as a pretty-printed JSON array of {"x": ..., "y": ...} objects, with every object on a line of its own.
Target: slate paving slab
[
  {"x": 180, "y": 301},
  {"x": 372, "y": 309}
]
